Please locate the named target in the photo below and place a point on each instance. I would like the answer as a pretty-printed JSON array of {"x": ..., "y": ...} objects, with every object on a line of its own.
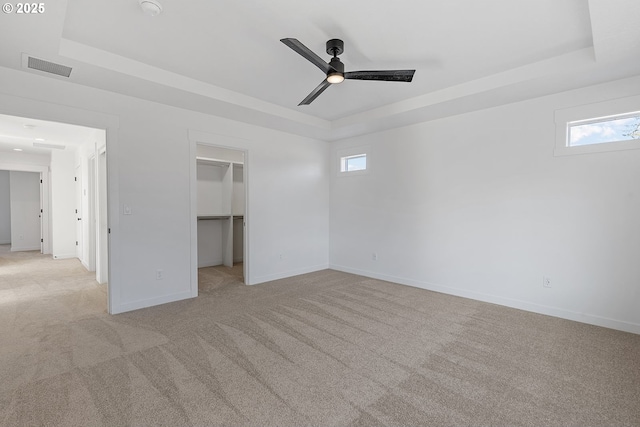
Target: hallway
[{"x": 54, "y": 290}]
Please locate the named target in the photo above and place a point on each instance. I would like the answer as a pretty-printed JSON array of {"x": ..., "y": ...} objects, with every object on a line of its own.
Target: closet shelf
[
  {"x": 206, "y": 217},
  {"x": 212, "y": 162}
]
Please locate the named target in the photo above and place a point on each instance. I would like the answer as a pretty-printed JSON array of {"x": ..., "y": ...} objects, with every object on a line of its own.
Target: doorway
[
  {"x": 62, "y": 157},
  {"x": 20, "y": 210},
  {"x": 220, "y": 215}
]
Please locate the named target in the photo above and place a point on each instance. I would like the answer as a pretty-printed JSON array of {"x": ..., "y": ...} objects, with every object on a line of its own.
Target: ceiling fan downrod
[{"x": 335, "y": 47}]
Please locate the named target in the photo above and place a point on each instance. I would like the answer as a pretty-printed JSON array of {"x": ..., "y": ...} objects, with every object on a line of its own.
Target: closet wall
[{"x": 221, "y": 206}]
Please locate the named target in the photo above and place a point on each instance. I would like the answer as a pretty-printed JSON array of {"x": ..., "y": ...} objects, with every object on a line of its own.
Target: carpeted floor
[{"x": 323, "y": 349}]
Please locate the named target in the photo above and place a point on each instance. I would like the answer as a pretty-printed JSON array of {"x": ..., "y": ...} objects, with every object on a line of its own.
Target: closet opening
[{"x": 221, "y": 221}]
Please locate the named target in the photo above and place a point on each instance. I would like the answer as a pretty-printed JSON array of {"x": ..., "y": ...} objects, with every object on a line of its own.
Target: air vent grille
[
  {"x": 48, "y": 67},
  {"x": 46, "y": 145}
]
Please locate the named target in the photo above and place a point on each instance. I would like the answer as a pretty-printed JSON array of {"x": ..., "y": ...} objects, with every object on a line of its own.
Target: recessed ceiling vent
[
  {"x": 46, "y": 145},
  {"x": 46, "y": 66}
]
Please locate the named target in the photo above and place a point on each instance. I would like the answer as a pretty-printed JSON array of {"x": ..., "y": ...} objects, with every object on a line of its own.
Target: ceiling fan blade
[
  {"x": 386, "y": 75},
  {"x": 308, "y": 54},
  {"x": 315, "y": 93}
]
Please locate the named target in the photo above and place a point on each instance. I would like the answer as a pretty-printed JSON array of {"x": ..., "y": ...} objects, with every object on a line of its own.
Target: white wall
[
  {"x": 474, "y": 205},
  {"x": 11, "y": 160},
  {"x": 25, "y": 210},
  {"x": 5, "y": 209},
  {"x": 149, "y": 162},
  {"x": 477, "y": 205},
  {"x": 209, "y": 243}
]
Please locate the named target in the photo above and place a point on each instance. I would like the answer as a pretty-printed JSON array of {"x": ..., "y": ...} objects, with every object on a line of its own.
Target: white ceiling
[
  {"x": 224, "y": 57},
  {"x": 22, "y": 133}
]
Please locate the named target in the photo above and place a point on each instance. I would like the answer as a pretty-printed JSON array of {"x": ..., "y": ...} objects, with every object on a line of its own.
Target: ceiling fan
[{"x": 334, "y": 69}]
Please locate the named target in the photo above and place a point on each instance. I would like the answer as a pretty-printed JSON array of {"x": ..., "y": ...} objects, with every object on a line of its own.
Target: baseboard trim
[
  {"x": 136, "y": 305},
  {"x": 64, "y": 256},
  {"x": 5, "y": 242},
  {"x": 588, "y": 318},
  {"x": 25, "y": 249},
  {"x": 213, "y": 263},
  {"x": 286, "y": 274}
]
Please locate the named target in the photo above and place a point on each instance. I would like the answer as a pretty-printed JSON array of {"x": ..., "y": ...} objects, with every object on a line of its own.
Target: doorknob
[{"x": 79, "y": 219}]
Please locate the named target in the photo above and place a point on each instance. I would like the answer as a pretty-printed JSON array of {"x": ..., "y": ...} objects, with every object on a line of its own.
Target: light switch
[{"x": 126, "y": 210}]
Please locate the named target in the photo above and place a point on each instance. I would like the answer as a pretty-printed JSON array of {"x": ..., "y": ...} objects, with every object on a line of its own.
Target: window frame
[
  {"x": 361, "y": 151},
  {"x": 593, "y": 113},
  {"x": 344, "y": 162}
]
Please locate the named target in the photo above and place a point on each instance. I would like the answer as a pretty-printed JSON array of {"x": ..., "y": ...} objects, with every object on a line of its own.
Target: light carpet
[{"x": 321, "y": 349}]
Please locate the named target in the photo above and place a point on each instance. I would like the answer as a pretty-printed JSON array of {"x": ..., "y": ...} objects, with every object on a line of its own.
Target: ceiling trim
[
  {"x": 556, "y": 65},
  {"x": 459, "y": 98},
  {"x": 113, "y": 62}
]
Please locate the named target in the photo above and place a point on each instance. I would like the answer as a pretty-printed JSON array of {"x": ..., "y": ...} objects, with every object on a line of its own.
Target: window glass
[
  {"x": 356, "y": 163},
  {"x": 622, "y": 127}
]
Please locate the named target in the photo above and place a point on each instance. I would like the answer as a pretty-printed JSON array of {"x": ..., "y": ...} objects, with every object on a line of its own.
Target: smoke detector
[{"x": 150, "y": 7}]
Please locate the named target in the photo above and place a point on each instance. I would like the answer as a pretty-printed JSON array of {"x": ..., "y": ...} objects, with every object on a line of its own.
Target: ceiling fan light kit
[
  {"x": 334, "y": 69},
  {"x": 150, "y": 7},
  {"x": 335, "y": 78}
]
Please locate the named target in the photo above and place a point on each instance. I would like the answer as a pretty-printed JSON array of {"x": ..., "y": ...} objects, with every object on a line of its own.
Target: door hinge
[
  {"x": 40, "y": 181},
  {"x": 76, "y": 243},
  {"x": 40, "y": 210},
  {"x": 41, "y": 240},
  {"x": 75, "y": 178},
  {"x": 108, "y": 230},
  {"x": 76, "y": 210}
]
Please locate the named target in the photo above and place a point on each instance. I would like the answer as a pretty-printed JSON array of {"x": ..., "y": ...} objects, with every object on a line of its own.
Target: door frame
[
  {"x": 103, "y": 261},
  {"x": 42, "y": 110},
  {"x": 45, "y": 205},
  {"x": 79, "y": 216},
  {"x": 91, "y": 213}
]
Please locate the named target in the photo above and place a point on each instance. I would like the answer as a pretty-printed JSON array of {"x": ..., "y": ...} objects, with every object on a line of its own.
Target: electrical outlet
[
  {"x": 374, "y": 256},
  {"x": 546, "y": 282},
  {"x": 159, "y": 274}
]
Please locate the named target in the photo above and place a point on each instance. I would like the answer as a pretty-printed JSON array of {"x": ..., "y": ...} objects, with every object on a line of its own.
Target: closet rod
[{"x": 207, "y": 218}]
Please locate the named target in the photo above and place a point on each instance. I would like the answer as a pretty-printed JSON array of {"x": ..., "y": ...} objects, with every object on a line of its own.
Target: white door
[
  {"x": 102, "y": 257},
  {"x": 79, "y": 243},
  {"x": 90, "y": 214},
  {"x": 41, "y": 214}
]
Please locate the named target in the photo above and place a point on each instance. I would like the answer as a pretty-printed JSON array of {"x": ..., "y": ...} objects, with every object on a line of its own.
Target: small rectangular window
[
  {"x": 354, "y": 161},
  {"x": 602, "y": 130},
  {"x": 357, "y": 162},
  {"x": 606, "y": 126}
]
